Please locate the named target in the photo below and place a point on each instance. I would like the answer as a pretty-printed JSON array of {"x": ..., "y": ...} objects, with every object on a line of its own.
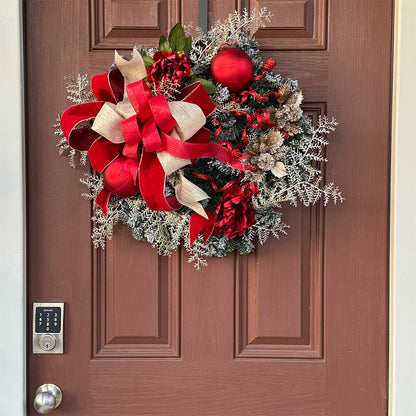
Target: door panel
[
  {"x": 136, "y": 301},
  {"x": 299, "y": 327}
]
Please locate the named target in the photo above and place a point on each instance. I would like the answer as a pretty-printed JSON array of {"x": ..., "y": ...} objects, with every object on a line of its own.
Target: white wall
[
  {"x": 403, "y": 236},
  {"x": 12, "y": 298}
]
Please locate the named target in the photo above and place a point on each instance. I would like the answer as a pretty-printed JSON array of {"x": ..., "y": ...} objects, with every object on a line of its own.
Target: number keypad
[{"x": 48, "y": 320}]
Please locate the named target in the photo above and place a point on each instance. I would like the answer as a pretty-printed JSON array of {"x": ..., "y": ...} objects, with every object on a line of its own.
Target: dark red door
[{"x": 297, "y": 328}]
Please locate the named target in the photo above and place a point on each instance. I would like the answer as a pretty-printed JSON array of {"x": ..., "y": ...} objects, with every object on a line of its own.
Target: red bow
[{"x": 125, "y": 170}]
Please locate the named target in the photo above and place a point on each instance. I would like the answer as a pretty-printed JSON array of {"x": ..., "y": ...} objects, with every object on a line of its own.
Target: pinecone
[
  {"x": 267, "y": 152},
  {"x": 289, "y": 113},
  {"x": 265, "y": 161}
]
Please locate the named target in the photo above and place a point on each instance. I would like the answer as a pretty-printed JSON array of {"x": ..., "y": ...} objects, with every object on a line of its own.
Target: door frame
[
  {"x": 402, "y": 371},
  {"x": 402, "y": 362},
  {"x": 12, "y": 214}
]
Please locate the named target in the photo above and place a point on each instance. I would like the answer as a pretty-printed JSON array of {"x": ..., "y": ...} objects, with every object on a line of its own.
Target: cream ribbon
[
  {"x": 189, "y": 119},
  {"x": 189, "y": 194}
]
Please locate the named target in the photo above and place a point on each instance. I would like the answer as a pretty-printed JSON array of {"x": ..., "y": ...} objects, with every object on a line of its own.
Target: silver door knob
[{"x": 48, "y": 397}]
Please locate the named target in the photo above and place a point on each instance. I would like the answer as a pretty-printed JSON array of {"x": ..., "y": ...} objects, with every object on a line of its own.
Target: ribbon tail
[
  {"x": 189, "y": 194},
  {"x": 133, "y": 70},
  {"x": 199, "y": 149},
  {"x": 152, "y": 184},
  {"x": 171, "y": 163},
  {"x": 197, "y": 223},
  {"x": 102, "y": 200}
]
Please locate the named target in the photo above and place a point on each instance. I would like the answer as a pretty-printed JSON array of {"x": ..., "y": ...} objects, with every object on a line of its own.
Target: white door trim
[
  {"x": 403, "y": 216},
  {"x": 12, "y": 214}
]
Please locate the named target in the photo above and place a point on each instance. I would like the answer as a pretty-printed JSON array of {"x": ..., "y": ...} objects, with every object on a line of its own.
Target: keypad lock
[{"x": 48, "y": 326}]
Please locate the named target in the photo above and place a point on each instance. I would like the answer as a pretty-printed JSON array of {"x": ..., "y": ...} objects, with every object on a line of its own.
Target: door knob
[{"x": 48, "y": 397}]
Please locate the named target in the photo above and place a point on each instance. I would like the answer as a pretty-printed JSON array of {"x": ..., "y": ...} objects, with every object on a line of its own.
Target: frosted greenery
[{"x": 78, "y": 91}]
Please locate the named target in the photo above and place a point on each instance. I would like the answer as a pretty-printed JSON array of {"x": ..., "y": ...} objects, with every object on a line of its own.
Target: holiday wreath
[{"x": 197, "y": 140}]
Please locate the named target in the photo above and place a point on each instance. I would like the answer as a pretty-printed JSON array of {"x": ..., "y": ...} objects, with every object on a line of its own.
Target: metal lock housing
[{"x": 48, "y": 328}]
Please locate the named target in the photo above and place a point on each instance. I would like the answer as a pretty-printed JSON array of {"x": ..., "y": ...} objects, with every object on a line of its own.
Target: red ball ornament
[
  {"x": 120, "y": 177},
  {"x": 232, "y": 68}
]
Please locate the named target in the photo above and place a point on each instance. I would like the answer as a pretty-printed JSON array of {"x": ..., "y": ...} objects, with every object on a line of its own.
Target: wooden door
[{"x": 297, "y": 328}]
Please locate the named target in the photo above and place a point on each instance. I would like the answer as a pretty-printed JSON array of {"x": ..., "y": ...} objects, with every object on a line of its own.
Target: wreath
[{"x": 197, "y": 140}]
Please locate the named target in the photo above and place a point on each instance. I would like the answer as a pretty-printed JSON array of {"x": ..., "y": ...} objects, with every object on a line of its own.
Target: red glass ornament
[
  {"x": 232, "y": 68},
  {"x": 120, "y": 177}
]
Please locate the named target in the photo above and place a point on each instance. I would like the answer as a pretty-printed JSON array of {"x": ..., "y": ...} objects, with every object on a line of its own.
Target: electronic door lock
[{"x": 48, "y": 328}]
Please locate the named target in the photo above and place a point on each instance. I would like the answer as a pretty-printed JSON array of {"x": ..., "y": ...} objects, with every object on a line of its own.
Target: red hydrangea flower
[
  {"x": 235, "y": 213},
  {"x": 168, "y": 67}
]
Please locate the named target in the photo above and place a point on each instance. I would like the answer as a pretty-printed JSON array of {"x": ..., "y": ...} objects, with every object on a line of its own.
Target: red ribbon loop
[
  {"x": 196, "y": 94},
  {"x": 80, "y": 137},
  {"x": 102, "y": 152},
  {"x": 151, "y": 137},
  {"x": 161, "y": 113},
  {"x": 109, "y": 86},
  {"x": 130, "y": 130},
  {"x": 139, "y": 95}
]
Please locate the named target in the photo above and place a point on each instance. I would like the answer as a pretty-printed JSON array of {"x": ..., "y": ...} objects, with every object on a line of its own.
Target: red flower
[
  {"x": 168, "y": 67},
  {"x": 235, "y": 213}
]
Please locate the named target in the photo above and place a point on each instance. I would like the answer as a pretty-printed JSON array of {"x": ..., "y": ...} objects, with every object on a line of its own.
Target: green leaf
[
  {"x": 163, "y": 44},
  {"x": 208, "y": 85},
  {"x": 148, "y": 60},
  {"x": 188, "y": 45},
  {"x": 177, "y": 38},
  {"x": 190, "y": 80}
]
